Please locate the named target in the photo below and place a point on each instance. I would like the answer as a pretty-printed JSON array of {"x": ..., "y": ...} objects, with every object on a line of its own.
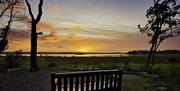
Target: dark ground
[{"x": 40, "y": 81}]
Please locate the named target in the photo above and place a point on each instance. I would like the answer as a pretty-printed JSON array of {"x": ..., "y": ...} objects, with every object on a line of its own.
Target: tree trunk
[
  {"x": 149, "y": 58},
  {"x": 154, "y": 48},
  {"x": 34, "y": 33},
  {"x": 153, "y": 62},
  {"x": 153, "y": 57},
  {"x": 34, "y": 65}
]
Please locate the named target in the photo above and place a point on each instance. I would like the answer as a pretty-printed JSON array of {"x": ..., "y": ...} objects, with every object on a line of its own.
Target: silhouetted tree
[
  {"x": 34, "y": 33},
  {"x": 11, "y": 10},
  {"x": 163, "y": 22}
]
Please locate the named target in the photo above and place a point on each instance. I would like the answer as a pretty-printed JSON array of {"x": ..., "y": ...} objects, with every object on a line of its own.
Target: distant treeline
[{"x": 158, "y": 52}]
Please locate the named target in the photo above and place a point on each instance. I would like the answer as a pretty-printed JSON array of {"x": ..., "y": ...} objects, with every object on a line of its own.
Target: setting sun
[{"x": 84, "y": 49}]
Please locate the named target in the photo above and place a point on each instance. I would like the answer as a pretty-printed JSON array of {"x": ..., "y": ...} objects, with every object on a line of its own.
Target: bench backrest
[{"x": 106, "y": 80}]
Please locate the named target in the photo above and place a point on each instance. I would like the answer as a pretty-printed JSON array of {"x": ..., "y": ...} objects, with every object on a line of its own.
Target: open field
[
  {"x": 165, "y": 67},
  {"x": 40, "y": 81},
  {"x": 85, "y": 63}
]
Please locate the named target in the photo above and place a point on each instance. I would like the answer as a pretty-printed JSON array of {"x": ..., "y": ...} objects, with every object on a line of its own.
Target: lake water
[
  {"x": 97, "y": 55},
  {"x": 76, "y": 55},
  {"x": 84, "y": 55}
]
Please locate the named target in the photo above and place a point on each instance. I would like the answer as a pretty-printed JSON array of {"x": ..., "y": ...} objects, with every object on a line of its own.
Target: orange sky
[{"x": 88, "y": 26}]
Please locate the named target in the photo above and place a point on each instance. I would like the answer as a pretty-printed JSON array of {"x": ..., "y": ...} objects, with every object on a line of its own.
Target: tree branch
[
  {"x": 40, "y": 11},
  {"x": 30, "y": 11},
  {"x": 10, "y": 20},
  {"x": 4, "y": 11}
]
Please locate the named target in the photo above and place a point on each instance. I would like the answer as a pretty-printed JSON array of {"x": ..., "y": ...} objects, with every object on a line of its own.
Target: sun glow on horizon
[{"x": 85, "y": 49}]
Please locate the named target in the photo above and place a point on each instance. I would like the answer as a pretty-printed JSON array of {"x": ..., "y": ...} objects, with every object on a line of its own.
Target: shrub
[
  {"x": 52, "y": 65},
  {"x": 170, "y": 75},
  {"x": 12, "y": 61}
]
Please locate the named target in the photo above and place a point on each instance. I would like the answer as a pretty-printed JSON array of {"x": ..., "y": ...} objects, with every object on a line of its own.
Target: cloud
[
  {"x": 55, "y": 7},
  {"x": 19, "y": 35},
  {"x": 73, "y": 42},
  {"x": 43, "y": 26},
  {"x": 19, "y": 39},
  {"x": 76, "y": 35},
  {"x": 16, "y": 45},
  {"x": 51, "y": 38}
]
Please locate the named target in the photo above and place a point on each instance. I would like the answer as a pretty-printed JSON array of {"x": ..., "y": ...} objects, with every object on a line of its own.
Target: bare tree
[
  {"x": 34, "y": 34},
  {"x": 163, "y": 22},
  {"x": 11, "y": 10}
]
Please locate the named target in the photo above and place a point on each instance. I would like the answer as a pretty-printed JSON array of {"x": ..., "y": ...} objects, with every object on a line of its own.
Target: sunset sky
[{"x": 88, "y": 26}]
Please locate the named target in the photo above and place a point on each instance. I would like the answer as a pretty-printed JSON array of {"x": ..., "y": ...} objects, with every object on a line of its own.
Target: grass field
[
  {"x": 167, "y": 67},
  {"x": 127, "y": 63}
]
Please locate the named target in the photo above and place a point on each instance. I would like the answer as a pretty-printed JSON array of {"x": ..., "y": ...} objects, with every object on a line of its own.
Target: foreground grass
[
  {"x": 169, "y": 72},
  {"x": 40, "y": 81},
  {"x": 135, "y": 83}
]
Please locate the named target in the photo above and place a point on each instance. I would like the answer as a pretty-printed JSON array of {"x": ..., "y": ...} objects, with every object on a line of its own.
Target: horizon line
[
  {"x": 10, "y": 52},
  {"x": 21, "y": 52}
]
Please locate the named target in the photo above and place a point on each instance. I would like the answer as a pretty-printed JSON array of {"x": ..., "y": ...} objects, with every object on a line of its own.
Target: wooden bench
[{"x": 103, "y": 80}]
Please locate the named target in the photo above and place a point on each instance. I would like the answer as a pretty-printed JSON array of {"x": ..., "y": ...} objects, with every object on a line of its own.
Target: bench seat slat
[
  {"x": 111, "y": 81},
  {"x": 59, "y": 84},
  {"x": 107, "y": 81},
  {"x": 92, "y": 82},
  {"x": 104, "y": 80},
  {"x": 71, "y": 84},
  {"x": 115, "y": 80},
  {"x": 65, "y": 84},
  {"x": 77, "y": 83},
  {"x": 87, "y": 82},
  {"x": 97, "y": 81},
  {"x": 82, "y": 83}
]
